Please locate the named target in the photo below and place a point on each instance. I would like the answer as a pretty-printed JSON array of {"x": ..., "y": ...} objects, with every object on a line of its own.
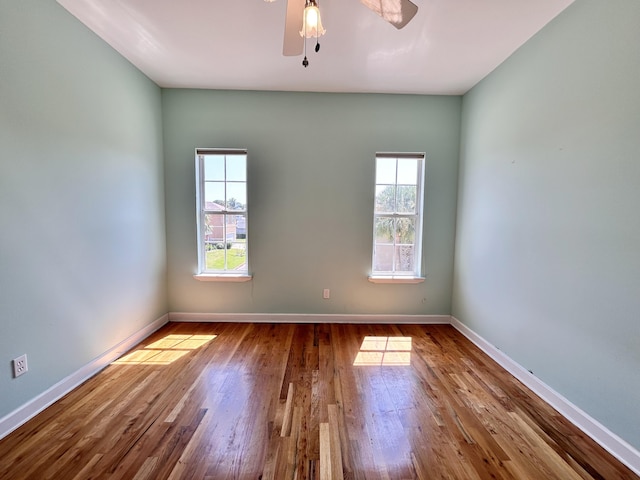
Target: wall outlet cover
[{"x": 20, "y": 366}]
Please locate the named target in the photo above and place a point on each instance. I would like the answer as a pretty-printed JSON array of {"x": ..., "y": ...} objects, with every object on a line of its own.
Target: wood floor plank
[
  {"x": 334, "y": 442},
  {"x": 288, "y": 412},
  {"x": 326, "y": 470},
  {"x": 303, "y": 401}
]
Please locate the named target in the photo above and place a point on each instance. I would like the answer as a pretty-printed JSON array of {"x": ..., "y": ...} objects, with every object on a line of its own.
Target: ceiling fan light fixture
[{"x": 311, "y": 21}]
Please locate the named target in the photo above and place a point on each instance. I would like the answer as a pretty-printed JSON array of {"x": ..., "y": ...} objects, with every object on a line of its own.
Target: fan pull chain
[
  {"x": 305, "y": 62},
  {"x": 317, "y": 42}
]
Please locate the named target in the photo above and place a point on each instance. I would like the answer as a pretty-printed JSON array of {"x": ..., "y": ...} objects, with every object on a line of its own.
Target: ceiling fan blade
[
  {"x": 397, "y": 12},
  {"x": 293, "y": 42}
]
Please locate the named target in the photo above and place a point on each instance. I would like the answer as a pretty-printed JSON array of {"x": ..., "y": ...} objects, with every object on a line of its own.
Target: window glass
[
  {"x": 213, "y": 193},
  {"x": 385, "y": 198},
  {"x": 237, "y": 169},
  {"x": 236, "y": 196},
  {"x": 214, "y": 167},
  {"x": 386, "y": 171},
  {"x": 407, "y": 171}
]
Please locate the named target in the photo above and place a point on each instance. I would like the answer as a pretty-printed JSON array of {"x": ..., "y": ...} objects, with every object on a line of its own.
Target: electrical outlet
[
  {"x": 20, "y": 366},
  {"x": 326, "y": 293}
]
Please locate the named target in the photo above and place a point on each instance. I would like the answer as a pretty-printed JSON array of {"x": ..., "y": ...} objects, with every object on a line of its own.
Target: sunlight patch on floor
[
  {"x": 165, "y": 351},
  {"x": 384, "y": 351}
]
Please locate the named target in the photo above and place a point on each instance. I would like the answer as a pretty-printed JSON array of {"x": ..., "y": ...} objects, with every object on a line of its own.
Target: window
[
  {"x": 397, "y": 219},
  {"x": 221, "y": 197}
]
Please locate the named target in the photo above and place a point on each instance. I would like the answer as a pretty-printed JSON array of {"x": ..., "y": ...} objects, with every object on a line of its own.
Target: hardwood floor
[{"x": 265, "y": 401}]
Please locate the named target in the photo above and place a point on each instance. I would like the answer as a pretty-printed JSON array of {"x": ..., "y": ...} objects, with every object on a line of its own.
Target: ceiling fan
[{"x": 397, "y": 12}]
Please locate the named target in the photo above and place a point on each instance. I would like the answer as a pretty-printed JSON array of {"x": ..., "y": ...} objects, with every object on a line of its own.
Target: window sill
[
  {"x": 210, "y": 277},
  {"x": 395, "y": 279}
]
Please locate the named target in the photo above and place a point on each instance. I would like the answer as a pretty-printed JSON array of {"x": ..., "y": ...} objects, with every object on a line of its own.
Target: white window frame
[
  {"x": 393, "y": 275},
  {"x": 217, "y": 275}
]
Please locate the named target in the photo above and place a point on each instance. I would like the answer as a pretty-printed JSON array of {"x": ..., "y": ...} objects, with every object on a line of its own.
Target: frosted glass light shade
[{"x": 312, "y": 23}]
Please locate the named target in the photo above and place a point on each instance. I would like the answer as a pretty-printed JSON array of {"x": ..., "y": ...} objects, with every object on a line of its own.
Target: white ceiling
[{"x": 447, "y": 48}]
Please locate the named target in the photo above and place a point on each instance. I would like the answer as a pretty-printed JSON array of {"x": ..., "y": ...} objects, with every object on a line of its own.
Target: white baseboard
[
  {"x": 307, "y": 318},
  {"x": 30, "y": 409},
  {"x": 620, "y": 449}
]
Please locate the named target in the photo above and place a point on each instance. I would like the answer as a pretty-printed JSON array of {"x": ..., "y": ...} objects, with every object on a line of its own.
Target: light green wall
[
  {"x": 548, "y": 235},
  {"x": 82, "y": 253},
  {"x": 311, "y": 175}
]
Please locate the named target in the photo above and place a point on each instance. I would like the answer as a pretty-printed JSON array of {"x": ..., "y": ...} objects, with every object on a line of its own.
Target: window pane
[
  {"x": 406, "y": 200},
  {"x": 236, "y": 168},
  {"x": 240, "y": 224},
  {"x": 406, "y": 230},
  {"x": 214, "y": 195},
  {"x": 385, "y": 198},
  {"x": 216, "y": 255},
  {"x": 236, "y": 224},
  {"x": 407, "y": 171},
  {"x": 386, "y": 171},
  {"x": 404, "y": 258},
  {"x": 384, "y": 228},
  {"x": 236, "y": 244},
  {"x": 383, "y": 258},
  {"x": 236, "y": 196},
  {"x": 214, "y": 167},
  {"x": 214, "y": 228}
]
